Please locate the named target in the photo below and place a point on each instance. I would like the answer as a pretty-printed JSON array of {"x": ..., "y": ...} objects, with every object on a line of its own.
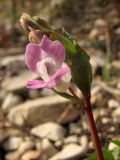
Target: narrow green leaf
[
  {"x": 65, "y": 95},
  {"x": 116, "y": 153},
  {"x": 117, "y": 142},
  {"x": 106, "y": 153}
]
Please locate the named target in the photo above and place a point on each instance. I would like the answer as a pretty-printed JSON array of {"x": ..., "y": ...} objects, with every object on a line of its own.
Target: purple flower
[{"x": 47, "y": 60}]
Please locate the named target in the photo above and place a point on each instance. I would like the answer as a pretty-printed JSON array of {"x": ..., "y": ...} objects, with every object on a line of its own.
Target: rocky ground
[{"x": 40, "y": 125}]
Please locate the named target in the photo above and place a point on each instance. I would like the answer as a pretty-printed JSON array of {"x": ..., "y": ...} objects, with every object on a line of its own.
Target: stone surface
[
  {"x": 34, "y": 112},
  {"x": 83, "y": 140},
  {"x": 116, "y": 112},
  {"x": 69, "y": 152},
  {"x": 74, "y": 128},
  {"x": 12, "y": 156},
  {"x": 48, "y": 149},
  {"x": 17, "y": 82},
  {"x": 112, "y": 103},
  {"x": 50, "y": 130},
  {"x": 29, "y": 155},
  {"x": 26, "y": 145},
  {"x": 71, "y": 139},
  {"x": 10, "y": 101},
  {"x": 12, "y": 143}
]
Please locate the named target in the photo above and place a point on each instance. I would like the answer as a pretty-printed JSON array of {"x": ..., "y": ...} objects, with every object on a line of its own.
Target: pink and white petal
[
  {"x": 34, "y": 84},
  {"x": 54, "y": 49},
  {"x": 67, "y": 77},
  {"x": 56, "y": 77},
  {"x": 33, "y": 54}
]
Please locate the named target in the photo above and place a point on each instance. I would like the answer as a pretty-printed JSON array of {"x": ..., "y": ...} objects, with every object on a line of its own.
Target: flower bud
[
  {"x": 27, "y": 21},
  {"x": 24, "y": 21},
  {"x": 35, "y": 36}
]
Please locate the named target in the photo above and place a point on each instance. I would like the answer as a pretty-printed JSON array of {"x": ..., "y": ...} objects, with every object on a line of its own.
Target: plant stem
[{"x": 93, "y": 130}]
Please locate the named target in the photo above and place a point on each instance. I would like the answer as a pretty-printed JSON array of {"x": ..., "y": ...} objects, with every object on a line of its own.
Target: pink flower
[{"x": 47, "y": 60}]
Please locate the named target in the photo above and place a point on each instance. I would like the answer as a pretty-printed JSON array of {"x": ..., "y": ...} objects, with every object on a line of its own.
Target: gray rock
[
  {"x": 10, "y": 101},
  {"x": 29, "y": 155},
  {"x": 50, "y": 130},
  {"x": 71, "y": 139},
  {"x": 26, "y": 145},
  {"x": 12, "y": 143},
  {"x": 12, "y": 155},
  {"x": 69, "y": 152},
  {"x": 34, "y": 112},
  {"x": 75, "y": 128},
  {"x": 48, "y": 149},
  {"x": 17, "y": 82},
  {"x": 83, "y": 140}
]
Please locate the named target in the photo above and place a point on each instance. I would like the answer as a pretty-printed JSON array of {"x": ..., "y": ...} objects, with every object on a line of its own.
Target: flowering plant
[{"x": 58, "y": 59}]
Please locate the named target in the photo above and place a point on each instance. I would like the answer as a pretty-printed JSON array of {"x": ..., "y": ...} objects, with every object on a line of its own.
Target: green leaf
[
  {"x": 116, "y": 153},
  {"x": 106, "y": 153},
  {"x": 91, "y": 157},
  {"x": 69, "y": 46},
  {"x": 82, "y": 71},
  {"x": 117, "y": 142},
  {"x": 65, "y": 95}
]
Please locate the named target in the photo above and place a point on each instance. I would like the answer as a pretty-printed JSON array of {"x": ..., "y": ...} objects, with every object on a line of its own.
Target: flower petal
[
  {"x": 32, "y": 56},
  {"x": 54, "y": 49},
  {"x": 34, "y": 84},
  {"x": 56, "y": 77}
]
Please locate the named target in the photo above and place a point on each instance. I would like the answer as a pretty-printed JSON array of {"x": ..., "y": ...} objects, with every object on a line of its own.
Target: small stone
[
  {"x": 38, "y": 145},
  {"x": 29, "y": 155},
  {"x": 74, "y": 128},
  {"x": 116, "y": 112},
  {"x": 83, "y": 140},
  {"x": 10, "y": 101},
  {"x": 103, "y": 112},
  {"x": 12, "y": 155},
  {"x": 12, "y": 143},
  {"x": 118, "y": 85},
  {"x": 69, "y": 152},
  {"x": 112, "y": 129},
  {"x": 71, "y": 139},
  {"x": 100, "y": 22},
  {"x": 26, "y": 145},
  {"x": 91, "y": 145},
  {"x": 113, "y": 103},
  {"x": 58, "y": 144},
  {"x": 106, "y": 120},
  {"x": 50, "y": 130},
  {"x": 47, "y": 148},
  {"x": 93, "y": 33}
]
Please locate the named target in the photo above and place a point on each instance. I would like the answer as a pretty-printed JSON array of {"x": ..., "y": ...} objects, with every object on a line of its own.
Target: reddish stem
[
  {"x": 72, "y": 92},
  {"x": 93, "y": 130},
  {"x": 88, "y": 110}
]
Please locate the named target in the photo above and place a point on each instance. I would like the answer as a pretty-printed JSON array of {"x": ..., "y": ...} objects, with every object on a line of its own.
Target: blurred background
[{"x": 38, "y": 124}]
